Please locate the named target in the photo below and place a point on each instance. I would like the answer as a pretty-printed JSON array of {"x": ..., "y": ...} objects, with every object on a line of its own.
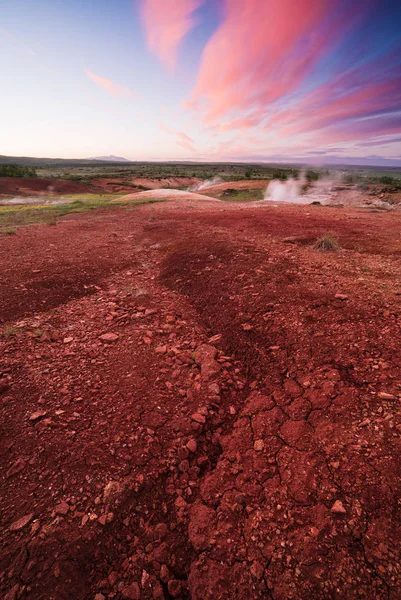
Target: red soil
[
  {"x": 237, "y": 437},
  {"x": 25, "y": 186}
]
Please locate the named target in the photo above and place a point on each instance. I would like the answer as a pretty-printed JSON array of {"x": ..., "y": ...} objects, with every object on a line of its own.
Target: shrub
[
  {"x": 17, "y": 171},
  {"x": 327, "y": 243}
]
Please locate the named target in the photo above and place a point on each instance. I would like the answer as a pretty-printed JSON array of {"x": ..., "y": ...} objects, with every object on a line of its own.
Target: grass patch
[
  {"x": 10, "y": 331},
  {"x": 9, "y": 231},
  {"x": 13, "y": 216},
  {"x": 232, "y": 195},
  {"x": 327, "y": 243}
]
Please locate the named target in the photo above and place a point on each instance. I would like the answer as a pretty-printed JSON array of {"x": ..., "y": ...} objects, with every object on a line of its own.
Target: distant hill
[
  {"x": 110, "y": 158},
  {"x": 44, "y": 162}
]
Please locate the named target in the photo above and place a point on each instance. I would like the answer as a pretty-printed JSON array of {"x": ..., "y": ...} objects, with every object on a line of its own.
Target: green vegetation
[
  {"x": 232, "y": 195},
  {"x": 10, "y": 330},
  {"x": 17, "y": 171},
  {"x": 9, "y": 231},
  {"x": 327, "y": 243},
  {"x": 12, "y": 216}
]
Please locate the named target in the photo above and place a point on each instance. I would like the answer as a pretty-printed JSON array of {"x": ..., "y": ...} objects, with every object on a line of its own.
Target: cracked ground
[{"x": 198, "y": 404}]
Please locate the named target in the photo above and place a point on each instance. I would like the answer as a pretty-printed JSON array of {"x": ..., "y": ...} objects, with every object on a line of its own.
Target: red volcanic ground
[
  {"x": 198, "y": 404},
  {"x": 26, "y": 186}
]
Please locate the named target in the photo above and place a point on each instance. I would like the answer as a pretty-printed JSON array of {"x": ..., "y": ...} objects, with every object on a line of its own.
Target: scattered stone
[
  {"x": 39, "y": 414},
  {"x": 215, "y": 338},
  {"x": 17, "y": 467},
  {"x": 164, "y": 573},
  {"x": 198, "y": 418},
  {"x": 341, "y": 297},
  {"x": 22, "y": 522},
  {"x": 109, "y": 338},
  {"x": 112, "y": 491},
  {"x": 67, "y": 340},
  {"x": 183, "y": 466},
  {"x": 205, "y": 357},
  {"x": 259, "y": 445},
  {"x": 161, "y": 349},
  {"x": 192, "y": 445},
  {"x": 100, "y": 597},
  {"x": 386, "y": 396},
  {"x": 62, "y": 508},
  {"x": 338, "y": 508},
  {"x": 132, "y": 592}
]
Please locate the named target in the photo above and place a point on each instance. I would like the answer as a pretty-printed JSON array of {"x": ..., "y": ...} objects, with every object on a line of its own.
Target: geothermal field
[{"x": 200, "y": 384}]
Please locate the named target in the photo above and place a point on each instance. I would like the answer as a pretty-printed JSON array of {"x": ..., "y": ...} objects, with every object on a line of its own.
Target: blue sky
[{"x": 200, "y": 79}]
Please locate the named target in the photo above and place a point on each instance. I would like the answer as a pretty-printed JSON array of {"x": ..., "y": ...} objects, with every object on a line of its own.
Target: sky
[{"x": 216, "y": 80}]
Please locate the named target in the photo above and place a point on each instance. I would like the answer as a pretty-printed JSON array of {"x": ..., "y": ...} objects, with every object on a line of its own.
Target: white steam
[
  {"x": 300, "y": 191},
  {"x": 205, "y": 184}
]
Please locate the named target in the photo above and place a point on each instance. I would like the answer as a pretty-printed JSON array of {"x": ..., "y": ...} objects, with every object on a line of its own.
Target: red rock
[
  {"x": 103, "y": 520},
  {"x": 67, "y": 340},
  {"x": 184, "y": 466},
  {"x": 22, "y": 522},
  {"x": 341, "y": 297},
  {"x": 132, "y": 592},
  {"x": 109, "y": 338},
  {"x": 338, "y": 508},
  {"x": 18, "y": 466},
  {"x": 112, "y": 578},
  {"x": 198, "y": 418},
  {"x": 386, "y": 396},
  {"x": 205, "y": 357},
  {"x": 259, "y": 445},
  {"x": 39, "y": 414},
  {"x": 62, "y": 508},
  {"x": 164, "y": 573},
  {"x": 192, "y": 445}
]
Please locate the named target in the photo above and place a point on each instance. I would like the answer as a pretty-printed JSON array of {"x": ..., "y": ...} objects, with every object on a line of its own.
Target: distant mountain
[{"x": 110, "y": 158}]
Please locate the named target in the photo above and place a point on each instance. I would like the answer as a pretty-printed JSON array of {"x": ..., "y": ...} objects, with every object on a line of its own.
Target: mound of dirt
[
  {"x": 168, "y": 194},
  {"x": 27, "y": 186}
]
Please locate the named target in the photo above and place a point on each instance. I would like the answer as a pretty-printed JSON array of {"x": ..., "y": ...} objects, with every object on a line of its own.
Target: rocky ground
[{"x": 197, "y": 404}]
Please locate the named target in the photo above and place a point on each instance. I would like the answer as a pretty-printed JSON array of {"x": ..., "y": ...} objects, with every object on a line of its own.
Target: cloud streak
[
  {"x": 278, "y": 67},
  {"x": 107, "y": 85},
  {"x": 166, "y": 23},
  {"x": 183, "y": 139}
]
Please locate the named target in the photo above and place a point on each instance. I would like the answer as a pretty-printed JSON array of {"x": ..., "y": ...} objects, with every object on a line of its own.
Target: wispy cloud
[
  {"x": 187, "y": 146},
  {"x": 166, "y": 23},
  {"x": 114, "y": 89},
  {"x": 184, "y": 139},
  {"x": 260, "y": 71}
]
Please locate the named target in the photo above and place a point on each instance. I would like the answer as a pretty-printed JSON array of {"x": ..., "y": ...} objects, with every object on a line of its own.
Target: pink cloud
[
  {"x": 166, "y": 23},
  {"x": 185, "y": 139},
  {"x": 256, "y": 65},
  {"x": 114, "y": 89},
  {"x": 186, "y": 146},
  {"x": 344, "y": 104},
  {"x": 265, "y": 50}
]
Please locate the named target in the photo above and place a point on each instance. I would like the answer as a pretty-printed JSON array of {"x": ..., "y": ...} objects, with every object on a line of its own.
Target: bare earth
[{"x": 197, "y": 404}]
